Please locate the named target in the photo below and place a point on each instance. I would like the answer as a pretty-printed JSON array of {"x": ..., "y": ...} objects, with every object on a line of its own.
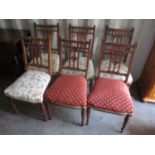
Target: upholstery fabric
[
  {"x": 29, "y": 87},
  {"x": 123, "y": 69},
  {"x": 82, "y": 65},
  {"x": 68, "y": 90},
  {"x": 55, "y": 63},
  {"x": 112, "y": 95}
]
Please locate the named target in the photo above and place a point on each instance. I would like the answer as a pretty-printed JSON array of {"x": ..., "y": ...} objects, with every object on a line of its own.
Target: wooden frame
[
  {"x": 82, "y": 34},
  {"x": 72, "y": 46},
  {"x": 115, "y": 35},
  {"x": 119, "y": 35},
  {"x": 118, "y": 51},
  {"x": 36, "y": 46},
  {"x": 47, "y": 30}
]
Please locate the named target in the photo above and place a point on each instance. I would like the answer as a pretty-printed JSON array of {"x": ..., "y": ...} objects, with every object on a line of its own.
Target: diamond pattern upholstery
[
  {"x": 112, "y": 95},
  {"x": 68, "y": 90}
]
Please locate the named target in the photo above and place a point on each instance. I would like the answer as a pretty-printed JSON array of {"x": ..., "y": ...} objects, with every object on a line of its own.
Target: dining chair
[
  {"x": 108, "y": 94},
  {"x": 70, "y": 90},
  {"x": 31, "y": 85}
]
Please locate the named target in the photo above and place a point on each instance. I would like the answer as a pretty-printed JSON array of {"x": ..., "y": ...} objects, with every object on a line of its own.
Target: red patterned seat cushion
[
  {"x": 68, "y": 90},
  {"x": 112, "y": 95}
]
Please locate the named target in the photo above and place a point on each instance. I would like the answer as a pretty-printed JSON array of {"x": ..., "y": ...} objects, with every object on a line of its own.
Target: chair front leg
[
  {"x": 126, "y": 119},
  {"x": 14, "y": 106},
  {"x": 88, "y": 114},
  {"x": 42, "y": 105},
  {"x": 83, "y": 112}
]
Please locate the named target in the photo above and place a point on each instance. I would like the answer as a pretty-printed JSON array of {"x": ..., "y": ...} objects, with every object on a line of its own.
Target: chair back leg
[
  {"x": 49, "y": 111},
  {"x": 88, "y": 115},
  {"x": 126, "y": 119},
  {"x": 14, "y": 106},
  {"x": 83, "y": 112},
  {"x": 42, "y": 105}
]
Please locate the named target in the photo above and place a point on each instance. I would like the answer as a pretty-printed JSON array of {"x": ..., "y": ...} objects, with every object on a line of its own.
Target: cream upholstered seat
[
  {"x": 54, "y": 64},
  {"x": 82, "y": 64},
  {"x": 123, "y": 69},
  {"x": 29, "y": 87}
]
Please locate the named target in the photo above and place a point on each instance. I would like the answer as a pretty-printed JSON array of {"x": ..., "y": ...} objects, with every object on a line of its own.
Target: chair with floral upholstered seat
[
  {"x": 41, "y": 31},
  {"x": 70, "y": 90},
  {"x": 122, "y": 36},
  {"x": 80, "y": 33},
  {"x": 30, "y": 86},
  {"x": 108, "y": 94}
]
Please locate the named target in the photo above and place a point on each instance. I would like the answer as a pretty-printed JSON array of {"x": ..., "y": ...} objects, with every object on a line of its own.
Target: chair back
[
  {"x": 34, "y": 49},
  {"x": 70, "y": 51},
  {"x": 82, "y": 34},
  {"x": 42, "y": 31},
  {"x": 112, "y": 56},
  {"x": 115, "y": 35}
]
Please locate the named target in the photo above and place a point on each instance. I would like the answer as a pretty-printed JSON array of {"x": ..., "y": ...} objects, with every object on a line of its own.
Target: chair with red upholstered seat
[
  {"x": 70, "y": 90},
  {"x": 108, "y": 94}
]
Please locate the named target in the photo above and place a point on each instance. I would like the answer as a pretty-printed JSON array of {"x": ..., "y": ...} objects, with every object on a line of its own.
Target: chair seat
[
  {"x": 82, "y": 64},
  {"x": 123, "y": 69},
  {"x": 68, "y": 90},
  {"x": 29, "y": 87},
  {"x": 111, "y": 95},
  {"x": 54, "y": 65}
]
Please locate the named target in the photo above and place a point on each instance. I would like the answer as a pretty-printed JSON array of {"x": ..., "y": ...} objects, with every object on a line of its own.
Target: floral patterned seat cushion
[
  {"x": 29, "y": 87},
  {"x": 82, "y": 65},
  {"x": 123, "y": 69},
  {"x": 111, "y": 95},
  {"x": 55, "y": 63},
  {"x": 68, "y": 90}
]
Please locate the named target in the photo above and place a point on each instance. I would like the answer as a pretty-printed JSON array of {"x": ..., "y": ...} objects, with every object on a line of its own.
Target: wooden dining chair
[
  {"x": 83, "y": 34},
  {"x": 108, "y": 94},
  {"x": 42, "y": 31},
  {"x": 30, "y": 86},
  {"x": 122, "y": 36},
  {"x": 70, "y": 90}
]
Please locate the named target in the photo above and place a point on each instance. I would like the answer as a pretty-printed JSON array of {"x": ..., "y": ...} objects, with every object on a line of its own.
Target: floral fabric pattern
[
  {"x": 123, "y": 69},
  {"x": 82, "y": 65},
  {"x": 54, "y": 65},
  {"x": 29, "y": 87}
]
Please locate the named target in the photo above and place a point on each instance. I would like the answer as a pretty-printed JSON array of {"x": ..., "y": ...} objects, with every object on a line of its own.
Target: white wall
[{"x": 144, "y": 33}]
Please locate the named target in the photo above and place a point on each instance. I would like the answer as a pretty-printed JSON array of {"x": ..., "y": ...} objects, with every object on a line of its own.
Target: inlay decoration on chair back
[
  {"x": 41, "y": 31},
  {"x": 80, "y": 33},
  {"x": 112, "y": 56},
  {"x": 72, "y": 49},
  {"x": 33, "y": 49}
]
